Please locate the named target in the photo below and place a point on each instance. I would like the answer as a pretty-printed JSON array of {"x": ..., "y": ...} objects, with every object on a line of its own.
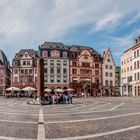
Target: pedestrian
[
  {"x": 70, "y": 98},
  {"x": 83, "y": 94}
]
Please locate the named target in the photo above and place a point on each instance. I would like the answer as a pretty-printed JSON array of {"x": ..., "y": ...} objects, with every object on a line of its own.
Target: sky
[{"x": 101, "y": 24}]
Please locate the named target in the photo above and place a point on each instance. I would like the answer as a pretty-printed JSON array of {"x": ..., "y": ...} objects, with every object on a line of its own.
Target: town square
[
  {"x": 69, "y": 70},
  {"x": 101, "y": 118}
]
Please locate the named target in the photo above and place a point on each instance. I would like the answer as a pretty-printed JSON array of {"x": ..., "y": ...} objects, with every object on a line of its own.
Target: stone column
[
  {"x": 40, "y": 78},
  {"x": 40, "y": 84}
]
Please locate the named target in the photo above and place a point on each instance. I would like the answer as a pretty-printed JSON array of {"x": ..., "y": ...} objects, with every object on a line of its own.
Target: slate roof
[
  {"x": 3, "y": 59},
  {"x": 31, "y": 52}
]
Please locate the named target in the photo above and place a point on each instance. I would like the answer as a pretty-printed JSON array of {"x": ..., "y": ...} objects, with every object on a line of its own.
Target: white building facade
[
  {"x": 109, "y": 72},
  {"x": 127, "y": 72}
]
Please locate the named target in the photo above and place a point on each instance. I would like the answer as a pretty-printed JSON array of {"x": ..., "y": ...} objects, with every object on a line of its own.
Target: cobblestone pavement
[{"x": 99, "y": 118}]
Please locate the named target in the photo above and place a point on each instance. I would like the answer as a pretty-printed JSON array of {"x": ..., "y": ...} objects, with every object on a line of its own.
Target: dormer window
[
  {"x": 15, "y": 63},
  {"x": 64, "y": 54},
  {"x": 55, "y": 53}
]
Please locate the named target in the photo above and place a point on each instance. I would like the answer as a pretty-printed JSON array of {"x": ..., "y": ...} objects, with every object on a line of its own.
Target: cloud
[
  {"x": 28, "y": 23},
  {"x": 104, "y": 22}
]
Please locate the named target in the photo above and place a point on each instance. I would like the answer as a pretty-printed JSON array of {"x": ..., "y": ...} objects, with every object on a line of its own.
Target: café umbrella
[
  {"x": 59, "y": 90},
  {"x": 13, "y": 89},
  {"x": 29, "y": 89},
  {"x": 70, "y": 89},
  {"x": 47, "y": 90}
]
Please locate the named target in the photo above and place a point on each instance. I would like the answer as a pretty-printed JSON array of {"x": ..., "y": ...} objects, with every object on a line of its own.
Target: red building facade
[{"x": 85, "y": 70}]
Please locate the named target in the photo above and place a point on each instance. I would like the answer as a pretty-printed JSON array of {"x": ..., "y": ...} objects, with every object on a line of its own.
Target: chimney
[
  {"x": 139, "y": 39},
  {"x": 136, "y": 41}
]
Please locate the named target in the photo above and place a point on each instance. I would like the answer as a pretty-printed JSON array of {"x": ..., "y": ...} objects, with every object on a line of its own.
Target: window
[
  {"x": 58, "y": 62},
  {"x": 52, "y": 79},
  {"x": 106, "y": 66},
  {"x": 58, "y": 79},
  {"x": 96, "y": 65},
  {"x": 52, "y": 70},
  {"x": 21, "y": 71},
  {"x": 45, "y": 62},
  {"x": 58, "y": 70},
  {"x": 124, "y": 70},
  {"x": 137, "y": 64},
  {"x": 30, "y": 79},
  {"x": 30, "y": 71},
  {"x": 74, "y": 71},
  {"x": 65, "y": 79},
  {"x": 110, "y": 74},
  {"x": 45, "y": 79},
  {"x": 65, "y": 63},
  {"x": 135, "y": 54},
  {"x": 108, "y": 60},
  {"x": 131, "y": 68},
  {"x": 106, "y": 74},
  {"x": 1, "y": 81},
  {"x": 28, "y": 62},
  {"x": 106, "y": 82},
  {"x": 111, "y": 83},
  {"x": 134, "y": 65},
  {"x": 124, "y": 61},
  {"x": 45, "y": 53},
  {"x": 45, "y": 70},
  {"x": 64, "y": 54},
  {"x": 129, "y": 79},
  {"x": 85, "y": 71},
  {"x": 96, "y": 72},
  {"x": 64, "y": 71},
  {"x": 52, "y": 62},
  {"x": 127, "y": 69},
  {"x": 55, "y": 53},
  {"x": 35, "y": 79},
  {"x": 111, "y": 67},
  {"x": 26, "y": 71},
  {"x": 74, "y": 63},
  {"x": 85, "y": 64},
  {"x": 15, "y": 63},
  {"x": 15, "y": 71},
  {"x": 23, "y": 62},
  {"x": 138, "y": 76},
  {"x": 15, "y": 79}
]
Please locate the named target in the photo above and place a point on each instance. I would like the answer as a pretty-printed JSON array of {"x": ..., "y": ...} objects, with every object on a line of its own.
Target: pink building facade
[{"x": 4, "y": 73}]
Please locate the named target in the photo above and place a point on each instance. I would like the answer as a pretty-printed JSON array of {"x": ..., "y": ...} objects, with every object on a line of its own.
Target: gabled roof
[
  {"x": 104, "y": 55},
  {"x": 31, "y": 52}
]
